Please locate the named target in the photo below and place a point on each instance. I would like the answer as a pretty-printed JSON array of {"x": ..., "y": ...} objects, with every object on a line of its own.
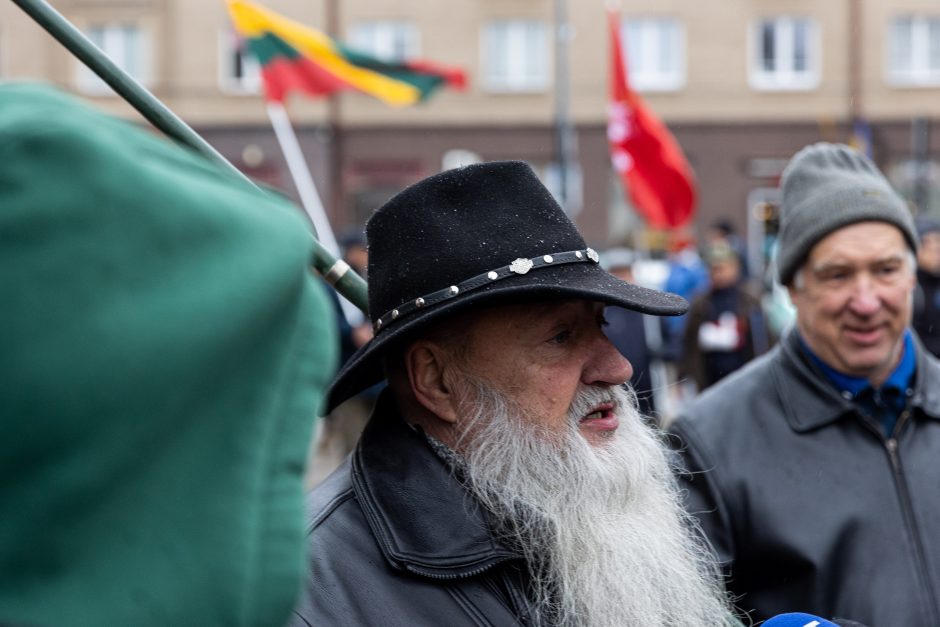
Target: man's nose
[
  {"x": 606, "y": 365},
  {"x": 864, "y": 300}
]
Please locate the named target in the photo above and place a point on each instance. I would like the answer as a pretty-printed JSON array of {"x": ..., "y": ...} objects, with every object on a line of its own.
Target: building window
[
  {"x": 386, "y": 40},
  {"x": 126, "y": 46},
  {"x": 517, "y": 56},
  {"x": 785, "y": 54},
  {"x": 914, "y": 51},
  {"x": 240, "y": 72},
  {"x": 655, "y": 51}
]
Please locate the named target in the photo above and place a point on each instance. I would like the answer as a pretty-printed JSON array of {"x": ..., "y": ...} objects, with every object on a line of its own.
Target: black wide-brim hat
[{"x": 475, "y": 236}]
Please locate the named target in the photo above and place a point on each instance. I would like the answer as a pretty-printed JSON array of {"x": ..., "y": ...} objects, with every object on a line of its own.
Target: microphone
[{"x": 799, "y": 619}]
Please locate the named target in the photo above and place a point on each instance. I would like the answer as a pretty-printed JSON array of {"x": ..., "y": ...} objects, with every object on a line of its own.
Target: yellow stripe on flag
[{"x": 251, "y": 20}]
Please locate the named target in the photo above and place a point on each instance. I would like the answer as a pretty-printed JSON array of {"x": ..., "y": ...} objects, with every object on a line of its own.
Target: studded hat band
[{"x": 517, "y": 267}]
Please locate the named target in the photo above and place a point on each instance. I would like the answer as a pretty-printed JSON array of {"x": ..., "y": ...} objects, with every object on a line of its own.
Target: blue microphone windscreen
[{"x": 798, "y": 619}]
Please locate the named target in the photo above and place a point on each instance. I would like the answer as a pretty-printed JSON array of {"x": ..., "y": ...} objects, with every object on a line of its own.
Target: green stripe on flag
[
  {"x": 269, "y": 47},
  {"x": 425, "y": 83}
]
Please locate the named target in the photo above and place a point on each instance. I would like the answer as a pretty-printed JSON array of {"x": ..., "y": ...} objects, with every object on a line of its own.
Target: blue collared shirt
[{"x": 887, "y": 402}]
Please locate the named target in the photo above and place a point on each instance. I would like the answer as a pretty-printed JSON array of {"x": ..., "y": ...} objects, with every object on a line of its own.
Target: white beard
[{"x": 601, "y": 527}]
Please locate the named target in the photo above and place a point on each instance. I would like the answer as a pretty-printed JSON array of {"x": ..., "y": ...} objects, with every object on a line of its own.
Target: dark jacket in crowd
[
  {"x": 627, "y": 331},
  {"x": 927, "y": 310},
  {"x": 706, "y": 367},
  {"x": 395, "y": 540},
  {"x": 807, "y": 504}
]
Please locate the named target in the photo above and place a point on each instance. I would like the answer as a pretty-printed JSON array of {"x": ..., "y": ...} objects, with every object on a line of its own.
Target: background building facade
[{"x": 742, "y": 84}]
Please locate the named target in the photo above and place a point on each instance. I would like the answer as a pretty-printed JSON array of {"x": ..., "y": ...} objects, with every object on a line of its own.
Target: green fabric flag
[{"x": 163, "y": 352}]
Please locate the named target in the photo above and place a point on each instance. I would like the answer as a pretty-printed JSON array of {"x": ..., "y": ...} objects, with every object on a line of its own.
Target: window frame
[
  {"x": 787, "y": 79},
  {"x": 410, "y": 35},
  {"x": 251, "y": 83},
  {"x": 88, "y": 83},
  {"x": 536, "y": 84},
  {"x": 920, "y": 75},
  {"x": 669, "y": 80}
]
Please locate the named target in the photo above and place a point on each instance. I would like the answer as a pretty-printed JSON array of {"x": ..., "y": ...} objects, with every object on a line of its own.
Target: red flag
[{"x": 643, "y": 151}]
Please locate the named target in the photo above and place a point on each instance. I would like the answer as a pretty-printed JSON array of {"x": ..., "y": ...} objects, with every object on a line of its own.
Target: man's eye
[
  {"x": 834, "y": 276},
  {"x": 561, "y": 338}
]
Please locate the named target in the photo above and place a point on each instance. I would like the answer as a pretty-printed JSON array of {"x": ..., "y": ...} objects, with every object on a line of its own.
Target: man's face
[
  {"x": 928, "y": 256},
  {"x": 855, "y": 301},
  {"x": 724, "y": 273},
  {"x": 584, "y": 514},
  {"x": 538, "y": 355}
]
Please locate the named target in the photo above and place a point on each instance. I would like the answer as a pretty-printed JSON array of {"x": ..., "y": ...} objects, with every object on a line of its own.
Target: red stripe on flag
[
  {"x": 454, "y": 77},
  {"x": 283, "y": 75},
  {"x": 643, "y": 151}
]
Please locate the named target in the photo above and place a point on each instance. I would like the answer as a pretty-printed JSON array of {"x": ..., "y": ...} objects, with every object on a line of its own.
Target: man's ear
[{"x": 426, "y": 363}]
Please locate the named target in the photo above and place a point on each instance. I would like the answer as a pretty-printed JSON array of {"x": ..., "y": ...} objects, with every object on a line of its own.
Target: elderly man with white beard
[{"x": 505, "y": 477}]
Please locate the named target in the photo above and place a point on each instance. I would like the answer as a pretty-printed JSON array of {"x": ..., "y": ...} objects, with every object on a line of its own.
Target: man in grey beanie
[{"x": 815, "y": 470}]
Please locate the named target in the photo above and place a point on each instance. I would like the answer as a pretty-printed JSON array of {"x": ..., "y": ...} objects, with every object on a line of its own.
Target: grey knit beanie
[{"x": 826, "y": 187}]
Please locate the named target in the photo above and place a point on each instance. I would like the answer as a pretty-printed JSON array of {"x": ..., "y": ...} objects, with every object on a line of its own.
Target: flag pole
[
  {"x": 564, "y": 133},
  {"x": 307, "y": 189},
  {"x": 334, "y": 270},
  {"x": 297, "y": 165}
]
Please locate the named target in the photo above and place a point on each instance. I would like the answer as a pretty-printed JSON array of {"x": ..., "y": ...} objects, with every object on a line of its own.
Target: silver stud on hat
[{"x": 521, "y": 265}]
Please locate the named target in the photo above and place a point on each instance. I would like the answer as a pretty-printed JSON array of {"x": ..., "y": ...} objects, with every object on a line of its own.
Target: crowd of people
[
  {"x": 166, "y": 349},
  {"x": 803, "y": 452}
]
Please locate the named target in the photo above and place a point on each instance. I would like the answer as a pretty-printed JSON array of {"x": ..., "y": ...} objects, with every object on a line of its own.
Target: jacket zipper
[
  {"x": 522, "y": 612},
  {"x": 891, "y": 445},
  {"x": 461, "y": 575}
]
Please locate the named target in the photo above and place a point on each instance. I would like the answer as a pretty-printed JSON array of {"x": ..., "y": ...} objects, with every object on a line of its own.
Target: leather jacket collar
[
  {"x": 421, "y": 516},
  {"x": 810, "y": 402}
]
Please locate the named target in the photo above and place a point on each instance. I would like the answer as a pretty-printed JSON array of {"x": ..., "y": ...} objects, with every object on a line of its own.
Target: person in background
[
  {"x": 726, "y": 326},
  {"x": 343, "y": 426},
  {"x": 628, "y": 331},
  {"x": 927, "y": 295},
  {"x": 722, "y": 231},
  {"x": 687, "y": 277},
  {"x": 352, "y": 243},
  {"x": 813, "y": 470}
]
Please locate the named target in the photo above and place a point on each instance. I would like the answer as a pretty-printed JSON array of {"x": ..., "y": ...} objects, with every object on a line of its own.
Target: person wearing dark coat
[
  {"x": 627, "y": 330},
  {"x": 726, "y": 326},
  {"x": 814, "y": 469},
  {"x": 927, "y": 296},
  {"x": 505, "y": 476}
]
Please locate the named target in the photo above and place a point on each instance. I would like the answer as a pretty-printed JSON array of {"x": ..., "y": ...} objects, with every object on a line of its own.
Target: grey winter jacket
[{"x": 807, "y": 504}]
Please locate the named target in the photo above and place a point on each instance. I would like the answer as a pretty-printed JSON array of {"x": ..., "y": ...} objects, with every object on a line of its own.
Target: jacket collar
[
  {"x": 423, "y": 519},
  {"x": 811, "y": 402}
]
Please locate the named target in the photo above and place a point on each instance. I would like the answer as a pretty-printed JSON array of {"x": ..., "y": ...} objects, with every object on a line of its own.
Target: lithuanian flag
[{"x": 295, "y": 57}]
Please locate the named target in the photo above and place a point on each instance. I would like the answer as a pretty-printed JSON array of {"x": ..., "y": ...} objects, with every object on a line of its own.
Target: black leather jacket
[
  {"x": 394, "y": 539},
  {"x": 807, "y": 504}
]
